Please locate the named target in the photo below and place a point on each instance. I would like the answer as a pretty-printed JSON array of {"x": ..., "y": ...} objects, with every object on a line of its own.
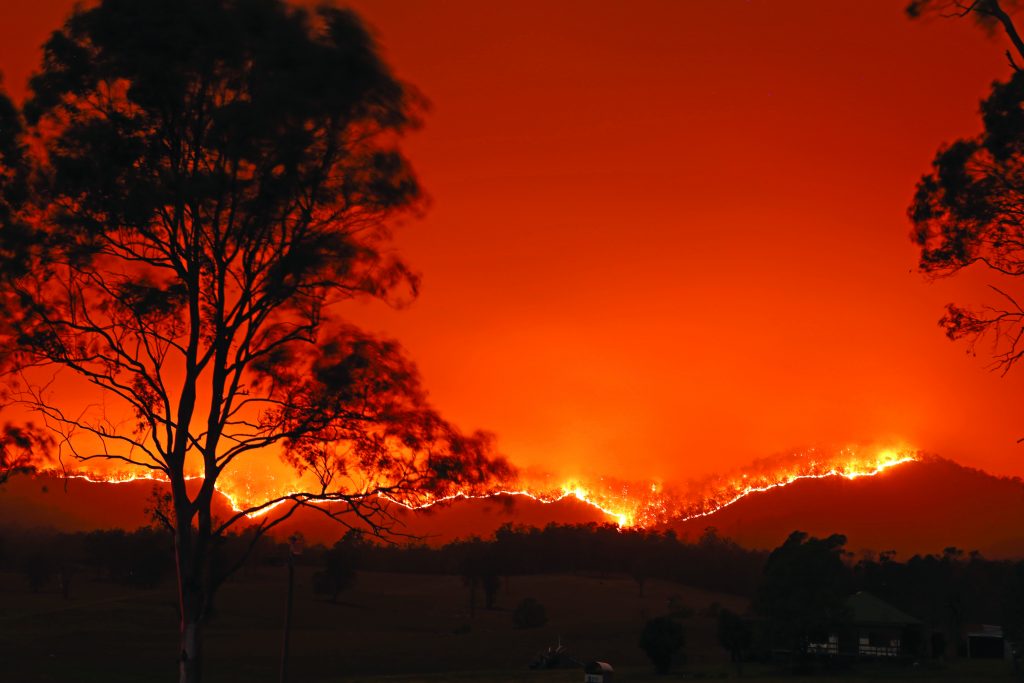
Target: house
[
  {"x": 880, "y": 630},
  {"x": 873, "y": 629}
]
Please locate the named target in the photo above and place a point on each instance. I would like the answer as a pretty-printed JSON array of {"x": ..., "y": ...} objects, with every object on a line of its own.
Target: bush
[
  {"x": 529, "y": 614},
  {"x": 734, "y": 634},
  {"x": 661, "y": 638}
]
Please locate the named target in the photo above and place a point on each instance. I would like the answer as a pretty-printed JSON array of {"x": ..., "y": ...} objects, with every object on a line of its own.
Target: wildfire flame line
[{"x": 633, "y": 505}]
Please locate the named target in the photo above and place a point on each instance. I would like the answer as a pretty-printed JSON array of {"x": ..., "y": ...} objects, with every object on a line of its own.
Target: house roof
[
  {"x": 867, "y": 609},
  {"x": 985, "y": 630}
]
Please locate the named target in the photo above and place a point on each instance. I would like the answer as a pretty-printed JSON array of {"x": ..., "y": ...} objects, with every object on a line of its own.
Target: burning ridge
[{"x": 628, "y": 504}]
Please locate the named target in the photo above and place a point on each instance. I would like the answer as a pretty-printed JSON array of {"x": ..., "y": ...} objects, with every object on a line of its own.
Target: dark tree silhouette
[
  {"x": 12, "y": 162},
  {"x": 1012, "y": 608},
  {"x": 661, "y": 639},
  {"x": 340, "y": 561},
  {"x": 21, "y": 446},
  {"x": 210, "y": 181},
  {"x": 968, "y": 210},
  {"x": 480, "y": 567},
  {"x": 991, "y": 15},
  {"x": 804, "y": 589},
  {"x": 640, "y": 571},
  {"x": 735, "y": 635}
]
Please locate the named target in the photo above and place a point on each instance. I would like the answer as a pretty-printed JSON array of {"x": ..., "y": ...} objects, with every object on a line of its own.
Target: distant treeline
[
  {"x": 143, "y": 557},
  {"x": 710, "y": 562},
  {"x": 807, "y": 584},
  {"x": 947, "y": 590}
]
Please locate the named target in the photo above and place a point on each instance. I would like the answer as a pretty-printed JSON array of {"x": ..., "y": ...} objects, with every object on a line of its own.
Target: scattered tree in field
[
  {"x": 967, "y": 211},
  {"x": 662, "y": 638},
  {"x": 734, "y": 635},
  {"x": 491, "y": 583},
  {"x": 341, "y": 562},
  {"x": 481, "y": 569},
  {"x": 639, "y": 571},
  {"x": 209, "y": 181}
]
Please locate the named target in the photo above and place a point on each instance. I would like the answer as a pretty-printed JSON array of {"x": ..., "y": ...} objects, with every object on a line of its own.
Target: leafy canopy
[
  {"x": 200, "y": 187},
  {"x": 968, "y": 210}
]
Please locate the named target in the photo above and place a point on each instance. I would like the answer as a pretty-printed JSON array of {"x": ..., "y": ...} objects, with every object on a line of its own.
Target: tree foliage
[
  {"x": 217, "y": 177},
  {"x": 805, "y": 587},
  {"x": 969, "y": 209},
  {"x": 340, "y": 564},
  {"x": 990, "y": 15},
  {"x": 22, "y": 447},
  {"x": 208, "y": 183},
  {"x": 734, "y": 634},
  {"x": 661, "y": 639}
]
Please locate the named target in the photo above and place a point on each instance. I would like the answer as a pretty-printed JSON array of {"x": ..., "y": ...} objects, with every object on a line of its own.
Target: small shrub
[{"x": 661, "y": 638}]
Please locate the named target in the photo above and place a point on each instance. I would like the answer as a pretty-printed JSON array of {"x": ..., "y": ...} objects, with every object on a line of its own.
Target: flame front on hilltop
[{"x": 642, "y": 505}]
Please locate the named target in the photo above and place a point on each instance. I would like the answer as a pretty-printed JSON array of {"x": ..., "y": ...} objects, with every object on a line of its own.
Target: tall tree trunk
[
  {"x": 188, "y": 565},
  {"x": 190, "y": 666},
  {"x": 191, "y": 607}
]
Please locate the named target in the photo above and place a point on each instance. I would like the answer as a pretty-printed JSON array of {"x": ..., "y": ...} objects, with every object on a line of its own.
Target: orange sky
[{"x": 667, "y": 238}]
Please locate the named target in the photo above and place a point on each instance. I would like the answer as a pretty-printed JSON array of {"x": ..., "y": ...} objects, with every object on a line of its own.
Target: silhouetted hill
[
  {"x": 918, "y": 507},
  {"x": 80, "y": 505},
  {"x": 459, "y": 519}
]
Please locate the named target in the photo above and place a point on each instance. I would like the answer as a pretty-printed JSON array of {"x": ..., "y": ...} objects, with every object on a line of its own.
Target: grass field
[{"x": 388, "y": 627}]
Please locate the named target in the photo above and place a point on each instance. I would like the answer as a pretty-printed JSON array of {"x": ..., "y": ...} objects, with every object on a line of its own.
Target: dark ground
[{"x": 396, "y": 627}]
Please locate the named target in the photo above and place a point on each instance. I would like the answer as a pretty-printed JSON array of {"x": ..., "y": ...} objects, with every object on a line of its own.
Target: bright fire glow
[{"x": 641, "y": 505}]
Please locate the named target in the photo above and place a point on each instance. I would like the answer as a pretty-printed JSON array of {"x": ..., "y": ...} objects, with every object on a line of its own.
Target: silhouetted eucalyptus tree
[
  {"x": 804, "y": 589},
  {"x": 970, "y": 208},
  {"x": 21, "y": 449},
  {"x": 208, "y": 181},
  {"x": 20, "y": 445},
  {"x": 991, "y": 15},
  {"x": 12, "y": 153}
]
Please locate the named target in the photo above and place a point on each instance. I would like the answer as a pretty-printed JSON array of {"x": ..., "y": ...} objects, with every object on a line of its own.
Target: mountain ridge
[{"x": 914, "y": 508}]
